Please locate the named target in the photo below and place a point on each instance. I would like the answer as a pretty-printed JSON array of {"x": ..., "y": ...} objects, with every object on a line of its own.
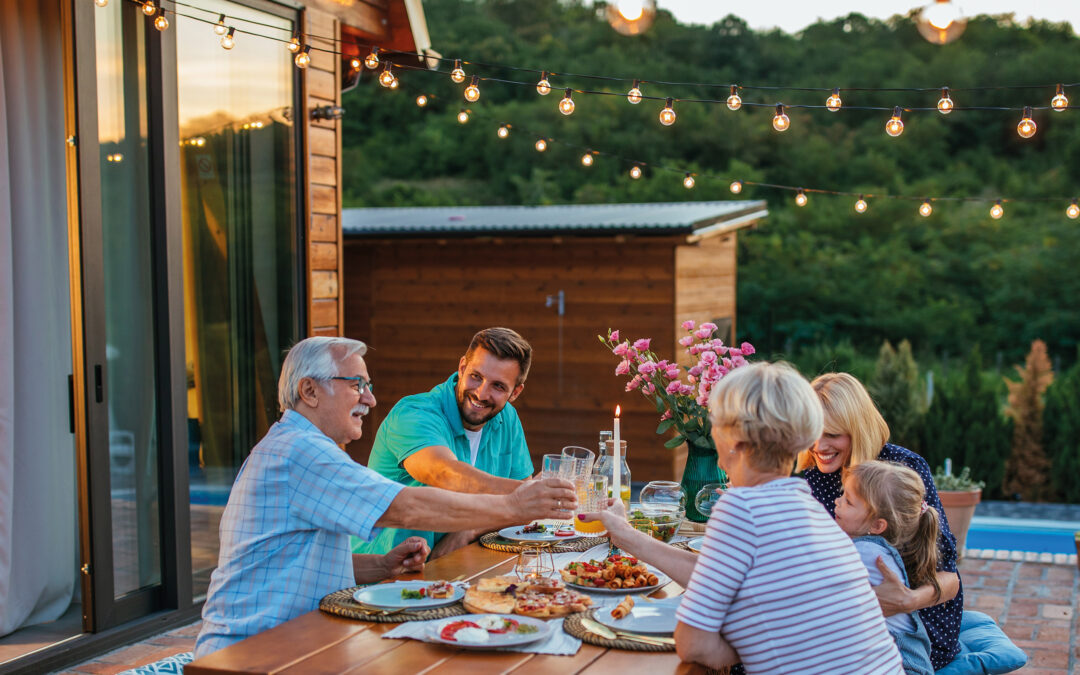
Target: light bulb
[
  {"x": 421, "y": 100},
  {"x": 735, "y": 187},
  {"x": 503, "y": 131},
  {"x": 780, "y": 121},
  {"x": 734, "y": 101},
  {"x": 860, "y": 205},
  {"x": 160, "y": 22},
  {"x": 386, "y": 77},
  {"x": 688, "y": 181},
  {"x": 940, "y": 14},
  {"x": 631, "y": 10},
  {"x": 149, "y": 8},
  {"x": 101, "y": 3},
  {"x": 566, "y": 105},
  {"x": 457, "y": 74},
  {"x": 1027, "y": 126},
  {"x": 395, "y": 83},
  {"x": 631, "y": 17},
  {"x": 667, "y": 115},
  {"x": 472, "y": 92},
  {"x": 294, "y": 46},
  {"x": 587, "y": 159},
  {"x": 634, "y": 95},
  {"x": 635, "y": 172},
  {"x": 895, "y": 126},
  {"x": 1060, "y": 102},
  {"x": 1073, "y": 211},
  {"x": 833, "y": 103},
  {"x": 997, "y": 211},
  {"x": 220, "y": 28},
  {"x": 355, "y": 64},
  {"x": 800, "y": 198},
  {"x": 543, "y": 87},
  {"x": 371, "y": 61},
  {"x": 925, "y": 209},
  {"x": 945, "y": 103},
  {"x": 303, "y": 59},
  {"x": 541, "y": 145},
  {"x": 940, "y": 22},
  {"x": 228, "y": 41},
  {"x": 463, "y": 116}
]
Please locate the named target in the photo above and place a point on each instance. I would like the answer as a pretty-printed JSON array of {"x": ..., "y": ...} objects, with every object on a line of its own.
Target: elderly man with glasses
[{"x": 298, "y": 496}]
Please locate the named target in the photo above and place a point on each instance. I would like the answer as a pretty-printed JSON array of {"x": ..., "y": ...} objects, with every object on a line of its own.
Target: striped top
[{"x": 785, "y": 587}]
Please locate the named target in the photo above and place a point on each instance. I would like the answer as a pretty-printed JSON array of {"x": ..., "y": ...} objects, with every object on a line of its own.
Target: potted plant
[{"x": 959, "y": 494}]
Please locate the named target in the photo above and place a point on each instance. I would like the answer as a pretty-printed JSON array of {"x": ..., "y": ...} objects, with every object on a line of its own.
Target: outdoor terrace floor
[{"x": 1035, "y": 603}]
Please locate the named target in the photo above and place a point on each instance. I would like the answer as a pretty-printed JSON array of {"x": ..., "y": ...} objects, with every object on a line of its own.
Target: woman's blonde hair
[
  {"x": 772, "y": 408},
  {"x": 896, "y": 494},
  {"x": 849, "y": 410}
]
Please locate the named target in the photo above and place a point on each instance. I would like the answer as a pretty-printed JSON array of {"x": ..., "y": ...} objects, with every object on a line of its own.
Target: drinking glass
[
  {"x": 592, "y": 495},
  {"x": 557, "y": 466},
  {"x": 583, "y": 457},
  {"x": 707, "y": 497}
]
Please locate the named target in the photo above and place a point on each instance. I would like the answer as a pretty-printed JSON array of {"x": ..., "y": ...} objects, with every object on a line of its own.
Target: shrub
[
  {"x": 1027, "y": 470},
  {"x": 1061, "y": 434},
  {"x": 898, "y": 393}
]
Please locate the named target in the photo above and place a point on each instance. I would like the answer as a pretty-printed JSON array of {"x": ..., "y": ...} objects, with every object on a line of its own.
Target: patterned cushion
[{"x": 169, "y": 664}]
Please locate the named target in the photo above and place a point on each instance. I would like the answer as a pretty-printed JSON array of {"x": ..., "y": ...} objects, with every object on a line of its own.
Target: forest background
[{"x": 819, "y": 285}]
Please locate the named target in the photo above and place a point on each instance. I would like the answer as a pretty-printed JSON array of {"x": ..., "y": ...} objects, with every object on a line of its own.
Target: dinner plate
[
  {"x": 648, "y": 617},
  {"x": 388, "y": 596},
  {"x": 663, "y": 579},
  {"x": 695, "y": 544},
  {"x": 495, "y": 640},
  {"x": 515, "y": 534}
]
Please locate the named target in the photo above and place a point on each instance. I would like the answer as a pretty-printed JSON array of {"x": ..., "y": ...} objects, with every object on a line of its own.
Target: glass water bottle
[{"x": 605, "y": 467}]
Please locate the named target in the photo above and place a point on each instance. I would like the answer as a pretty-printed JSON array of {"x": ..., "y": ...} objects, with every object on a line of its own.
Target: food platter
[
  {"x": 441, "y": 632},
  {"x": 615, "y": 575},
  {"x": 517, "y": 533},
  {"x": 388, "y": 596},
  {"x": 695, "y": 544}
]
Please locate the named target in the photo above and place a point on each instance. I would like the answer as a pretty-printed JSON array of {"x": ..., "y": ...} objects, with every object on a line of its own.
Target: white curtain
[{"x": 37, "y": 468}]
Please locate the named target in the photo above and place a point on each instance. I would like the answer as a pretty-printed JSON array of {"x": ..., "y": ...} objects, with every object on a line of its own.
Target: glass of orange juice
[{"x": 592, "y": 494}]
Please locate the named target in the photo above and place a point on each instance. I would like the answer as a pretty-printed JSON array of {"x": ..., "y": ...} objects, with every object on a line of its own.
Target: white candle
[{"x": 616, "y": 459}]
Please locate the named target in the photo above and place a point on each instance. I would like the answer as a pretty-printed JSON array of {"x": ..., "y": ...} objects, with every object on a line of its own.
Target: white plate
[
  {"x": 695, "y": 544},
  {"x": 514, "y": 534},
  {"x": 663, "y": 579},
  {"x": 543, "y": 629},
  {"x": 388, "y": 596},
  {"x": 651, "y": 617}
]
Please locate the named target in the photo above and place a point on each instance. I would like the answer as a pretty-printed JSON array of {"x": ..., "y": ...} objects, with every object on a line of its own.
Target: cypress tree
[{"x": 1027, "y": 471}]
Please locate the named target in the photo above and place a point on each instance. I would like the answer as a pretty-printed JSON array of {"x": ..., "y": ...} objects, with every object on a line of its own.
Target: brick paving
[{"x": 1036, "y": 605}]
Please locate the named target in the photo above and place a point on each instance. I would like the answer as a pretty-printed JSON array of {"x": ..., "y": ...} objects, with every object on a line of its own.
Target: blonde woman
[{"x": 855, "y": 432}]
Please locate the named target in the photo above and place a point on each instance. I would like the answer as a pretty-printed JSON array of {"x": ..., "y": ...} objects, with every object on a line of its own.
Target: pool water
[{"x": 1038, "y": 536}]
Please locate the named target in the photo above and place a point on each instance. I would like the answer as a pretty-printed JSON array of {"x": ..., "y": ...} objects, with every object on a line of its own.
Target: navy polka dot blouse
[{"x": 942, "y": 621}]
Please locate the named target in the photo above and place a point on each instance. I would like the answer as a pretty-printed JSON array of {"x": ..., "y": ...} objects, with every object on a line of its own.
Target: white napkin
[{"x": 558, "y": 643}]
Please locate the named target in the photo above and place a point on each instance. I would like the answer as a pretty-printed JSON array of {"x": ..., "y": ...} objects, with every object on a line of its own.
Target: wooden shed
[{"x": 419, "y": 282}]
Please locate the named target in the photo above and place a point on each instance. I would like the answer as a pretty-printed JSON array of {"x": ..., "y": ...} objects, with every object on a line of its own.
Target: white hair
[{"x": 314, "y": 357}]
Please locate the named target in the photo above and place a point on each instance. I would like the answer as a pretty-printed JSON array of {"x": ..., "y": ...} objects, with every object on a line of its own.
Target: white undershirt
[{"x": 474, "y": 443}]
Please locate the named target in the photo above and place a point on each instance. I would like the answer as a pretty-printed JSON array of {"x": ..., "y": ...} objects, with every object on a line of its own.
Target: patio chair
[{"x": 984, "y": 649}]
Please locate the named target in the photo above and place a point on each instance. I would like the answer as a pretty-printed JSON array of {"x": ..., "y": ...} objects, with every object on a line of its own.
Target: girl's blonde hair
[
  {"x": 849, "y": 410},
  {"x": 896, "y": 494}
]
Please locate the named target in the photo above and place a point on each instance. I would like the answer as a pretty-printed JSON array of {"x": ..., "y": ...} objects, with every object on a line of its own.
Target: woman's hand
[
  {"x": 896, "y": 598},
  {"x": 614, "y": 519}
]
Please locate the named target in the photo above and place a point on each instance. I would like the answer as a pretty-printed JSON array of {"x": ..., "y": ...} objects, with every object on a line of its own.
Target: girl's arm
[
  {"x": 694, "y": 645},
  {"x": 896, "y": 598}
]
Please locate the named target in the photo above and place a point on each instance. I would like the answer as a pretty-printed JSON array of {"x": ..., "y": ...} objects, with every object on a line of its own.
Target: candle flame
[{"x": 618, "y": 411}]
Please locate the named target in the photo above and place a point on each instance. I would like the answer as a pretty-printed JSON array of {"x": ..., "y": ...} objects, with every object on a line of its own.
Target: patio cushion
[
  {"x": 169, "y": 664},
  {"x": 984, "y": 649}
]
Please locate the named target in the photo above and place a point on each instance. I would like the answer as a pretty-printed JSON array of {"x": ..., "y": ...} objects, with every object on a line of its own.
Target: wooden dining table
[{"x": 317, "y": 642}]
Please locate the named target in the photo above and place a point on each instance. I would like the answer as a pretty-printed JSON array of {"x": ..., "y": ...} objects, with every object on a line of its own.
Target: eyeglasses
[{"x": 360, "y": 385}]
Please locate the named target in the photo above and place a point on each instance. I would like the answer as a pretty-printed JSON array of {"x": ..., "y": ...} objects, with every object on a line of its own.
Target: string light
[
  {"x": 387, "y": 77},
  {"x": 220, "y": 28},
  {"x": 149, "y": 8},
  {"x": 566, "y": 105},
  {"x": 543, "y": 87},
  {"x": 303, "y": 59},
  {"x": 294, "y": 46},
  {"x": 945, "y": 103},
  {"x": 587, "y": 159},
  {"x": 463, "y": 116},
  {"x": 734, "y": 101},
  {"x": 1073, "y": 211},
  {"x": 667, "y": 115},
  {"x": 457, "y": 74},
  {"x": 735, "y": 187},
  {"x": 634, "y": 95},
  {"x": 371, "y": 61},
  {"x": 833, "y": 103},
  {"x": 421, "y": 100},
  {"x": 228, "y": 41},
  {"x": 1027, "y": 127},
  {"x": 503, "y": 131},
  {"x": 395, "y": 83},
  {"x": 472, "y": 92},
  {"x": 925, "y": 209},
  {"x": 860, "y": 205},
  {"x": 161, "y": 22},
  {"x": 800, "y": 198},
  {"x": 780, "y": 121},
  {"x": 541, "y": 145},
  {"x": 101, "y": 3},
  {"x": 356, "y": 64},
  {"x": 895, "y": 126},
  {"x": 688, "y": 182},
  {"x": 635, "y": 172},
  {"x": 1060, "y": 102},
  {"x": 997, "y": 211}
]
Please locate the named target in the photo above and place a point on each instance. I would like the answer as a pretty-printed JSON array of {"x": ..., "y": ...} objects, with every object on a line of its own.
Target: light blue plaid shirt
[{"x": 285, "y": 531}]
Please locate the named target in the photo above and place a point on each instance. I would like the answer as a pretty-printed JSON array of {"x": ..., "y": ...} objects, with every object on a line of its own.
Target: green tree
[
  {"x": 899, "y": 394},
  {"x": 1061, "y": 434}
]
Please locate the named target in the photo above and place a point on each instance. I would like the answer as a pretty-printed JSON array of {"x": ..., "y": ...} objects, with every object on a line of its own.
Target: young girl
[{"x": 882, "y": 508}]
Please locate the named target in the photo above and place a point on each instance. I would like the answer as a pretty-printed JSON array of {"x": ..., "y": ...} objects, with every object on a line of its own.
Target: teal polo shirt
[{"x": 422, "y": 420}]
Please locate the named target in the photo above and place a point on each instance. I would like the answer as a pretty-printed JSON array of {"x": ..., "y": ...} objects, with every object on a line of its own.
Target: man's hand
[
  {"x": 552, "y": 498},
  {"x": 892, "y": 594},
  {"x": 453, "y": 541},
  {"x": 406, "y": 557}
]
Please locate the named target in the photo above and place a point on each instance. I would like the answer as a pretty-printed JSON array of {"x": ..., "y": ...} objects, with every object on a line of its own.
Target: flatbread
[{"x": 487, "y": 602}]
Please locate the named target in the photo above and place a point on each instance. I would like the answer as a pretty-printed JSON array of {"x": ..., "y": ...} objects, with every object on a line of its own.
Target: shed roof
[{"x": 697, "y": 219}]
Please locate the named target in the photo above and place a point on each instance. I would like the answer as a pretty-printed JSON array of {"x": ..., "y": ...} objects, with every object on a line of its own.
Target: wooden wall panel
[{"x": 324, "y": 227}]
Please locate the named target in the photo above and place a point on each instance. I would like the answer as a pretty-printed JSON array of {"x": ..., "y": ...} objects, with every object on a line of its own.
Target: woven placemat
[
  {"x": 572, "y": 625},
  {"x": 684, "y": 545},
  {"x": 341, "y": 603},
  {"x": 493, "y": 541}
]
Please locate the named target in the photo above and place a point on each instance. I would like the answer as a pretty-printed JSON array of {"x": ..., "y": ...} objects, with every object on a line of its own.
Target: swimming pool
[{"x": 1010, "y": 534}]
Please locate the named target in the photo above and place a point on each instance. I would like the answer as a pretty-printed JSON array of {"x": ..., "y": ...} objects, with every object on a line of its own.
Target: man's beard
[{"x": 472, "y": 416}]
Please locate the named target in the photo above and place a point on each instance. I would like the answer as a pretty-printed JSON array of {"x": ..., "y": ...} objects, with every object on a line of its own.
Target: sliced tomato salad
[
  {"x": 564, "y": 533},
  {"x": 450, "y": 630}
]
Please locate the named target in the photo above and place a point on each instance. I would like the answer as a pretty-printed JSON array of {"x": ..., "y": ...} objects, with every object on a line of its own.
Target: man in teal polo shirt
[{"x": 464, "y": 435}]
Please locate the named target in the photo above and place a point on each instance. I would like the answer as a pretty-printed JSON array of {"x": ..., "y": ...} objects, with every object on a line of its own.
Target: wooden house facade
[{"x": 419, "y": 282}]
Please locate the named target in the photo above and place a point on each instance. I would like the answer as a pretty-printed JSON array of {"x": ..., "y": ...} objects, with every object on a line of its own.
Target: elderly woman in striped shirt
[{"x": 777, "y": 585}]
